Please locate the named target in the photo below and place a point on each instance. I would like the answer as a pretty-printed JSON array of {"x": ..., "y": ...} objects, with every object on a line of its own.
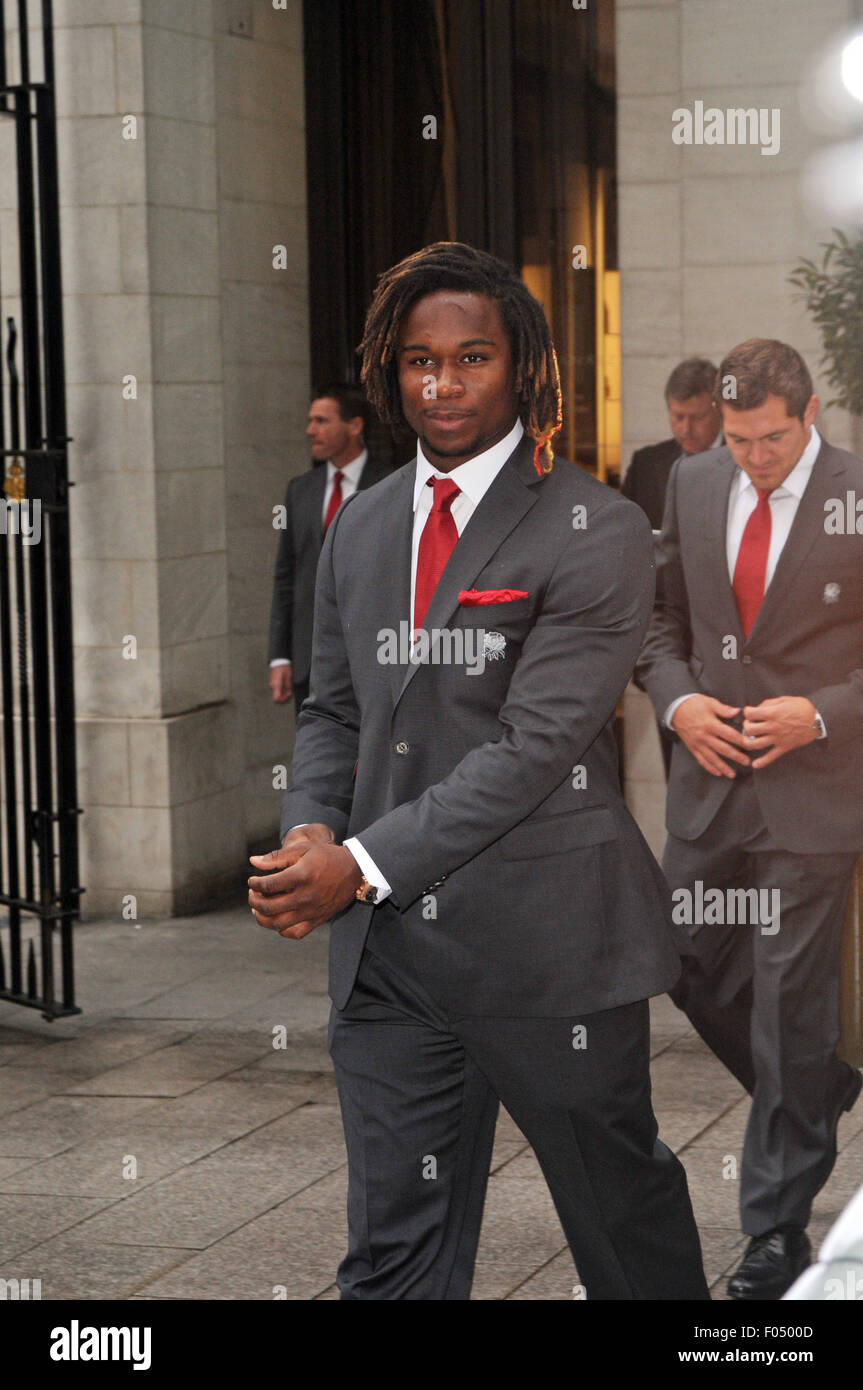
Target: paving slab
[
  {"x": 169, "y": 1071},
  {"x": 71, "y": 1268},
  {"x": 554, "y": 1282},
  {"x": 715, "y": 1197},
  {"x": 295, "y": 1248},
  {"x": 221, "y": 1192},
  {"x": 26, "y": 1221},
  {"x": 520, "y": 1230},
  {"x": 54, "y": 1124},
  {"x": 106, "y": 1045}
]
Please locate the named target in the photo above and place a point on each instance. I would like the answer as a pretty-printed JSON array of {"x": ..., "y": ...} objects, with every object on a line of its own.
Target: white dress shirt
[
  {"x": 474, "y": 478},
  {"x": 351, "y": 473},
  {"x": 350, "y": 479},
  {"x": 783, "y": 502}
]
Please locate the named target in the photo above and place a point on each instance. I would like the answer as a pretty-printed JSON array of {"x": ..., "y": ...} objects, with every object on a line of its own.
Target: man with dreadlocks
[{"x": 498, "y": 922}]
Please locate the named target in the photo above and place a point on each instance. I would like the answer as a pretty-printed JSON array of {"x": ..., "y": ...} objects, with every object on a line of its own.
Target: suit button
[
  {"x": 746, "y": 660},
  {"x": 402, "y": 747}
]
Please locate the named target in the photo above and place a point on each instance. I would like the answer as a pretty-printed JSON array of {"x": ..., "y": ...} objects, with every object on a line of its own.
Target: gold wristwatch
[{"x": 367, "y": 892}]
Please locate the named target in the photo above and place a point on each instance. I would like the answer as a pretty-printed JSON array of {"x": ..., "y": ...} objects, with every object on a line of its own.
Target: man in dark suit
[
  {"x": 499, "y": 921},
  {"x": 754, "y": 659},
  {"x": 695, "y": 426},
  {"x": 338, "y": 421}
]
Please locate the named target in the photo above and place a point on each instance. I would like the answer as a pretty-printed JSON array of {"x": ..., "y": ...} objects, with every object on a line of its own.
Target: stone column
[{"x": 181, "y": 164}]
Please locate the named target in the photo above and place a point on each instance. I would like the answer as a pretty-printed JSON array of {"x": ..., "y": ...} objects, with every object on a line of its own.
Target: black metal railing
[{"x": 38, "y": 798}]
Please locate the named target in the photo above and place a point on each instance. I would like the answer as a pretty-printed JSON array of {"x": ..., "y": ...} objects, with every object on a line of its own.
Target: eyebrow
[
  {"x": 469, "y": 342},
  {"x": 770, "y": 433}
]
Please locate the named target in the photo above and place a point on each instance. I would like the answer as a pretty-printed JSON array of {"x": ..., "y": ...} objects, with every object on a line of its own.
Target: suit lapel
[
  {"x": 508, "y": 499},
  {"x": 372, "y": 472},
  {"x": 806, "y": 528},
  {"x": 714, "y": 540},
  {"x": 314, "y": 516}
]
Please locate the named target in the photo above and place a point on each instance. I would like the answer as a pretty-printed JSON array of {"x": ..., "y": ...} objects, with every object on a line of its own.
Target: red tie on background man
[
  {"x": 437, "y": 543},
  {"x": 335, "y": 499},
  {"x": 751, "y": 568}
]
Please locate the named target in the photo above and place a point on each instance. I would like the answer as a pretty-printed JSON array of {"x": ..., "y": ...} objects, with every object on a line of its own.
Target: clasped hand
[
  {"x": 778, "y": 725},
  {"x": 306, "y": 882}
]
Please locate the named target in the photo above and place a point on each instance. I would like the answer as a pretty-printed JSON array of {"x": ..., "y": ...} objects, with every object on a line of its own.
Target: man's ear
[{"x": 812, "y": 408}]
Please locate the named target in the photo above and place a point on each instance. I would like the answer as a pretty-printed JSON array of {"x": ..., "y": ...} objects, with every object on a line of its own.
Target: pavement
[{"x": 163, "y": 1145}]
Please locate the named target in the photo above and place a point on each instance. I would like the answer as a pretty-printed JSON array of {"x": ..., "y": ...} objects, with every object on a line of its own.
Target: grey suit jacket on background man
[
  {"x": 807, "y": 639},
  {"x": 647, "y": 476},
  {"x": 300, "y": 542}
]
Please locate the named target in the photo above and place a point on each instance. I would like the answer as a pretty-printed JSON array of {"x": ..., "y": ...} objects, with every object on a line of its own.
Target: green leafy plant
[{"x": 833, "y": 294}]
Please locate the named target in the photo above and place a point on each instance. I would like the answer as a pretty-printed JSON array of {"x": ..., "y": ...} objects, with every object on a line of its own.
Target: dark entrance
[
  {"x": 486, "y": 121},
  {"x": 38, "y": 812}
]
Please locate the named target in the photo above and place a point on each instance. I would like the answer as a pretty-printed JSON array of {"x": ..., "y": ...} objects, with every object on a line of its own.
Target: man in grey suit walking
[
  {"x": 338, "y": 421},
  {"x": 754, "y": 659},
  {"x": 499, "y": 921}
]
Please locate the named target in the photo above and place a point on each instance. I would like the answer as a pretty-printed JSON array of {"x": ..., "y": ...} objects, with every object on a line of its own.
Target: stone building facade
[
  {"x": 182, "y": 160},
  {"x": 188, "y": 380}
]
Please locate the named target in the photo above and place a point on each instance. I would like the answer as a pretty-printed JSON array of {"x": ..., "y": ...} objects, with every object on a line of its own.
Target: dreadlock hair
[{"x": 452, "y": 265}]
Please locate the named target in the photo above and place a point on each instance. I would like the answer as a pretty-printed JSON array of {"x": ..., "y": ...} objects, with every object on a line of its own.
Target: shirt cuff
[
  {"x": 369, "y": 869},
  {"x": 281, "y": 661},
  {"x": 820, "y": 725},
  {"x": 675, "y": 704}
]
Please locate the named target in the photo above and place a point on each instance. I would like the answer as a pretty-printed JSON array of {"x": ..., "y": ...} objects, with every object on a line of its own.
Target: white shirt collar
[
  {"x": 351, "y": 470},
  {"x": 475, "y": 477},
  {"x": 799, "y": 476}
]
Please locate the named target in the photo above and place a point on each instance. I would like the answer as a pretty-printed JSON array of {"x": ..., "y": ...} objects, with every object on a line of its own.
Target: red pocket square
[{"x": 472, "y": 598}]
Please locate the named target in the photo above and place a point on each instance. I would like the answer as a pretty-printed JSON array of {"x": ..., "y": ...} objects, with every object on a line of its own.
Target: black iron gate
[{"x": 38, "y": 810}]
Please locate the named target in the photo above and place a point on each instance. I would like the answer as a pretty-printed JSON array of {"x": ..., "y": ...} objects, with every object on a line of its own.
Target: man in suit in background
[
  {"x": 338, "y": 421},
  {"x": 694, "y": 420},
  {"x": 754, "y": 659},
  {"x": 499, "y": 921},
  {"x": 695, "y": 426}
]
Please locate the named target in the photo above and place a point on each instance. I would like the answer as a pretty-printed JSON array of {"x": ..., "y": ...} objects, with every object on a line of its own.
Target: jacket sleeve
[
  {"x": 841, "y": 708},
  {"x": 281, "y": 610},
  {"x": 327, "y": 742},
  {"x": 663, "y": 666},
  {"x": 573, "y": 667}
]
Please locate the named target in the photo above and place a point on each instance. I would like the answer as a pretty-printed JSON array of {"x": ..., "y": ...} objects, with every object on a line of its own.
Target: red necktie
[
  {"x": 335, "y": 500},
  {"x": 751, "y": 568},
  {"x": 437, "y": 543}
]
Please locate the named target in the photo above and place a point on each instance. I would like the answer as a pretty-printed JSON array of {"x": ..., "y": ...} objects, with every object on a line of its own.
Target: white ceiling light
[{"x": 852, "y": 66}]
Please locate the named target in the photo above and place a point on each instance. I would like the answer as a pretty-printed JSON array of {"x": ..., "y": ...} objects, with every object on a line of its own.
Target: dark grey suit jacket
[
  {"x": 806, "y": 640},
  {"x": 514, "y": 891},
  {"x": 292, "y": 609},
  {"x": 647, "y": 478}
]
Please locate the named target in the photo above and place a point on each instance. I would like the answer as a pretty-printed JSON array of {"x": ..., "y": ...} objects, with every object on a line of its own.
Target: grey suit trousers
[
  {"x": 419, "y": 1095},
  {"x": 767, "y": 1001}
]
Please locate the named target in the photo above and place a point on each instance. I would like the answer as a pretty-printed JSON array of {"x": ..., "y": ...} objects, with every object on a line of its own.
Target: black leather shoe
[{"x": 771, "y": 1264}]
